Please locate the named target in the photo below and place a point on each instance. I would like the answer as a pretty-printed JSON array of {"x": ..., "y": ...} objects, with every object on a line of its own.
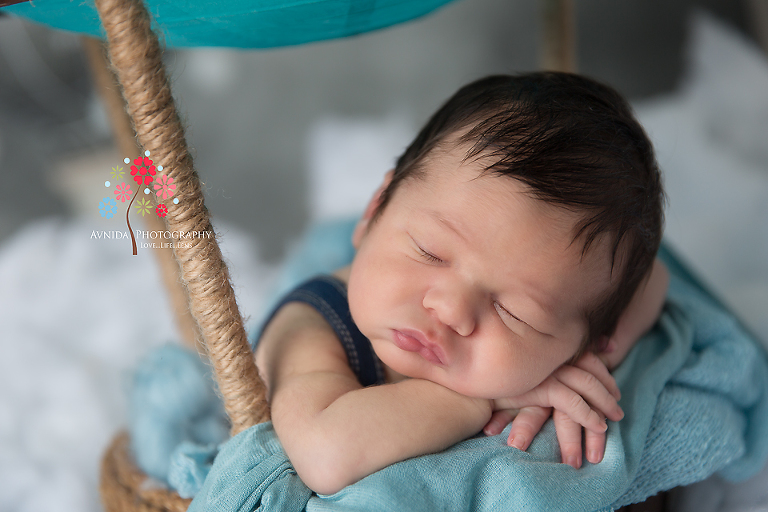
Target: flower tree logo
[{"x": 143, "y": 173}]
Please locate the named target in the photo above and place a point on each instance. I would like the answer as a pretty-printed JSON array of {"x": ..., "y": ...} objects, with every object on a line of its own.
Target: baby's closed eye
[
  {"x": 425, "y": 254},
  {"x": 513, "y": 322},
  {"x": 429, "y": 256}
]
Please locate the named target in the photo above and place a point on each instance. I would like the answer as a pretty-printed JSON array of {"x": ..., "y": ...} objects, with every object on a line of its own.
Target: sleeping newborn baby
[{"x": 503, "y": 266}]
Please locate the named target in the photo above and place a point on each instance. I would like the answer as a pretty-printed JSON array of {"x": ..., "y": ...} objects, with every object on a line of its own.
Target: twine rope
[
  {"x": 558, "y": 36},
  {"x": 137, "y": 61},
  {"x": 122, "y": 130}
]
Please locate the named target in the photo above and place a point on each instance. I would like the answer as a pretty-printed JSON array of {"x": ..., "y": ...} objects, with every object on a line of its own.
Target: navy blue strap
[{"x": 328, "y": 295}]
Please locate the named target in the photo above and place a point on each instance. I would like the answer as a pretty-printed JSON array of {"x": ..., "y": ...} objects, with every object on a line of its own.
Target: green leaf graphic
[
  {"x": 117, "y": 173},
  {"x": 144, "y": 207}
]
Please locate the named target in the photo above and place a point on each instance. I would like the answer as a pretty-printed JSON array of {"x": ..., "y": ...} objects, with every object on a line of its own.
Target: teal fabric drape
[{"x": 239, "y": 23}]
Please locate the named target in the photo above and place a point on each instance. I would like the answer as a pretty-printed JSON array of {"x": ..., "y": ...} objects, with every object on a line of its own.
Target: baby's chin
[
  {"x": 393, "y": 376},
  {"x": 488, "y": 390},
  {"x": 396, "y": 371}
]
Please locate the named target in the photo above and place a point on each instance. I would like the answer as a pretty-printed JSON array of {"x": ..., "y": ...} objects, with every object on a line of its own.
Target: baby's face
[{"x": 467, "y": 281}]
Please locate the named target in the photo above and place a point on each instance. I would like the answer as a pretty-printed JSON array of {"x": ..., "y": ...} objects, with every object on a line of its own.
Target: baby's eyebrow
[{"x": 448, "y": 224}]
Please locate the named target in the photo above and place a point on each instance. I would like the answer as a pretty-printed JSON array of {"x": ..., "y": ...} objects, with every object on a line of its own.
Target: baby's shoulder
[{"x": 298, "y": 340}]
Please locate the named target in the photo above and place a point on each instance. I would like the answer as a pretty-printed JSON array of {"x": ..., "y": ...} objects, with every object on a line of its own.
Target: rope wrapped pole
[
  {"x": 108, "y": 89},
  {"x": 136, "y": 57},
  {"x": 558, "y": 32},
  {"x": 758, "y": 16}
]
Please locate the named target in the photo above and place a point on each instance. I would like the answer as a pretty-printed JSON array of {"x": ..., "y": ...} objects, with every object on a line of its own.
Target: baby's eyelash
[
  {"x": 429, "y": 256},
  {"x": 504, "y": 310}
]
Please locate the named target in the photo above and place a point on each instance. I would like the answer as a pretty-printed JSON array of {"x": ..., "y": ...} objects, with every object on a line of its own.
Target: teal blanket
[{"x": 695, "y": 394}]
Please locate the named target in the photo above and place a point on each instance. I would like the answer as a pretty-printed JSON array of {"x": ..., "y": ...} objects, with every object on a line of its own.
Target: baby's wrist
[
  {"x": 482, "y": 406},
  {"x": 485, "y": 406}
]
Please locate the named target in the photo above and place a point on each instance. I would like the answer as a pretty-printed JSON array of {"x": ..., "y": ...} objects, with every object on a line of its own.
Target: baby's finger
[
  {"x": 591, "y": 389},
  {"x": 595, "y": 446},
  {"x": 569, "y": 437},
  {"x": 499, "y": 420},
  {"x": 569, "y": 401},
  {"x": 591, "y": 363},
  {"x": 526, "y": 425}
]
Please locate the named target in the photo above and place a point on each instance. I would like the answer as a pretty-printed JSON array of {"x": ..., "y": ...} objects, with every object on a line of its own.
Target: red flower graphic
[
  {"x": 142, "y": 170},
  {"x": 123, "y": 192},
  {"x": 161, "y": 210}
]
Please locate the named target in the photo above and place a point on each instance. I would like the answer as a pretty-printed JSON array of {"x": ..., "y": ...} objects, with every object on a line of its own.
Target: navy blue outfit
[{"x": 328, "y": 295}]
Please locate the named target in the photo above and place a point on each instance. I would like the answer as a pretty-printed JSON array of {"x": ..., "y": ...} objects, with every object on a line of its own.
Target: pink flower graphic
[
  {"x": 123, "y": 192},
  {"x": 161, "y": 210},
  {"x": 164, "y": 187},
  {"x": 142, "y": 170}
]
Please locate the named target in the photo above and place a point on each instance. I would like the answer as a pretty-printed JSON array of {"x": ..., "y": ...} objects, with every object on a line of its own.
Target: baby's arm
[{"x": 334, "y": 431}]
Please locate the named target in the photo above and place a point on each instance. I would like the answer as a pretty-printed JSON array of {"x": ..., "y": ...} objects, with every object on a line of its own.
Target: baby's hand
[{"x": 583, "y": 395}]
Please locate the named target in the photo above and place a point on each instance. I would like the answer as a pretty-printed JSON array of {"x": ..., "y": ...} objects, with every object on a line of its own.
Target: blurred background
[
  {"x": 251, "y": 115},
  {"x": 287, "y": 138}
]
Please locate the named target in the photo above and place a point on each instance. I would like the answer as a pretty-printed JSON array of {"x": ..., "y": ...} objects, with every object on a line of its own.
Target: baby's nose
[{"x": 453, "y": 307}]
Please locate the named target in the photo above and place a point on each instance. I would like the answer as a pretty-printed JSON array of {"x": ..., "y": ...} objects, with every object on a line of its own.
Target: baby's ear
[{"x": 362, "y": 225}]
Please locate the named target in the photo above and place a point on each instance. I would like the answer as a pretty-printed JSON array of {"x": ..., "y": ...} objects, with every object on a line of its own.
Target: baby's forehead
[
  {"x": 446, "y": 158},
  {"x": 576, "y": 255}
]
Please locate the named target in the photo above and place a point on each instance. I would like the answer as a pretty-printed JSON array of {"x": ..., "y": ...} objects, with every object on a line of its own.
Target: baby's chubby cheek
[
  {"x": 507, "y": 377},
  {"x": 396, "y": 365}
]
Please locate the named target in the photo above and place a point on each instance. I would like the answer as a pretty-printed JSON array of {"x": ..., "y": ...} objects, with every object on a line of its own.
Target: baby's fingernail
[
  {"x": 518, "y": 442},
  {"x": 594, "y": 456},
  {"x": 573, "y": 461},
  {"x": 492, "y": 429}
]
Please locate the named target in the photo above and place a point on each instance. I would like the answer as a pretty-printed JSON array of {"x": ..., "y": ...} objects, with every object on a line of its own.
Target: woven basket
[{"x": 124, "y": 487}]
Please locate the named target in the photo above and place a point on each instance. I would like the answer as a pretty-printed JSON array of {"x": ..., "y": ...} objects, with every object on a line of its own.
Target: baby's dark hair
[{"x": 576, "y": 144}]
